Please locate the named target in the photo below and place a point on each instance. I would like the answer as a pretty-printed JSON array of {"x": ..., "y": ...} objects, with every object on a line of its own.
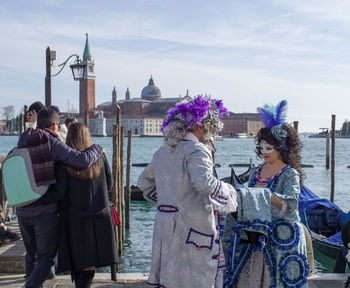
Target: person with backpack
[{"x": 38, "y": 222}]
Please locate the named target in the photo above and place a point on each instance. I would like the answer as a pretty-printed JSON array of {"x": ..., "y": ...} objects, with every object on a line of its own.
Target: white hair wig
[{"x": 176, "y": 131}]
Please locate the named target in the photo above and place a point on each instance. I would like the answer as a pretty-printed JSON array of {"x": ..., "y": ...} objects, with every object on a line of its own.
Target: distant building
[
  {"x": 345, "y": 131},
  {"x": 142, "y": 115},
  {"x": 2, "y": 126},
  {"x": 241, "y": 124}
]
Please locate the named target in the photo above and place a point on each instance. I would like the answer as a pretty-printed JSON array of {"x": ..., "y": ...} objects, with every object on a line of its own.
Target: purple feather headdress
[
  {"x": 273, "y": 118},
  {"x": 195, "y": 110}
]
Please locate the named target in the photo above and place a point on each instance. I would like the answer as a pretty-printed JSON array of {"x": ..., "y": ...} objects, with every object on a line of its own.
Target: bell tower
[
  {"x": 114, "y": 96},
  {"x": 87, "y": 85},
  {"x": 127, "y": 94}
]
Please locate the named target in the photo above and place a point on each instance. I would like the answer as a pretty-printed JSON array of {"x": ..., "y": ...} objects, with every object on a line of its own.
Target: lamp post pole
[
  {"x": 48, "y": 78},
  {"x": 78, "y": 70}
]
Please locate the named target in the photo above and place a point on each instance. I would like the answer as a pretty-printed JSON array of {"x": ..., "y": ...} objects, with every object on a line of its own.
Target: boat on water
[{"x": 324, "y": 220}]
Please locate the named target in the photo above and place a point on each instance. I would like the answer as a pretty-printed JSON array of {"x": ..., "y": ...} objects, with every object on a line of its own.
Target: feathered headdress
[
  {"x": 273, "y": 117},
  {"x": 195, "y": 110}
]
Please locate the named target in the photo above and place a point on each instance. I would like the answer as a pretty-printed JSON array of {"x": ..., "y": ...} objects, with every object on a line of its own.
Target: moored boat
[{"x": 324, "y": 220}]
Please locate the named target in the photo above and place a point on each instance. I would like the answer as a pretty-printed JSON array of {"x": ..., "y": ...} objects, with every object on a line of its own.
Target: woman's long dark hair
[
  {"x": 289, "y": 149},
  {"x": 79, "y": 139}
]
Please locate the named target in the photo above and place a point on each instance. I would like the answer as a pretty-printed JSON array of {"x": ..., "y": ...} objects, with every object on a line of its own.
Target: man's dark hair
[
  {"x": 36, "y": 106},
  {"x": 47, "y": 117}
]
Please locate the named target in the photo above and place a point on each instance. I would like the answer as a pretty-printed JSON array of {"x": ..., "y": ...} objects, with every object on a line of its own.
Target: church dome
[{"x": 151, "y": 91}]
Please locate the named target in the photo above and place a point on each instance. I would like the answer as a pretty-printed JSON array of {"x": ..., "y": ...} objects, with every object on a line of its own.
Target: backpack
[{"x": 18, "y": 179}]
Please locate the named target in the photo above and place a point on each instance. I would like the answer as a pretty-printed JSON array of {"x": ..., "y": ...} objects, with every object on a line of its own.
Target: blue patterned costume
[{"x": 278, "y": 258}]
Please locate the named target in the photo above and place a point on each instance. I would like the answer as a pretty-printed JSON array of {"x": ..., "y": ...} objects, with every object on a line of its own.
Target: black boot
[{"x": 84, "y": 279}]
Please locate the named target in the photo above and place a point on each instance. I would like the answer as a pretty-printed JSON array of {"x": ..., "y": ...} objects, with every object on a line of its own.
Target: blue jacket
[{"x": 60, "y": 153}]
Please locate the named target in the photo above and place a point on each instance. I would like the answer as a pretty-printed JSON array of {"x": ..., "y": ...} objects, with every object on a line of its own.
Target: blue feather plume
[
  {"x": 281, "y": 112},
  {"x": 273, "y": 115}
]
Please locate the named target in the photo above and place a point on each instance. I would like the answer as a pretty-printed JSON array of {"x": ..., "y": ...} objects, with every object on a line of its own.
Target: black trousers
[
  {"x": 341, "y": 262},
  {"x": 40, "y": 236}
]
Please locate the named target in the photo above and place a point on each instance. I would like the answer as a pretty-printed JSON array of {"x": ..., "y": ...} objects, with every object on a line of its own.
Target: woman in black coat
[{"x": 86, "y": 235}]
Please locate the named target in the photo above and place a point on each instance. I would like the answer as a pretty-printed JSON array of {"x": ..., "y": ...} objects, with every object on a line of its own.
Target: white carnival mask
[{"x": 266, "y": 148}]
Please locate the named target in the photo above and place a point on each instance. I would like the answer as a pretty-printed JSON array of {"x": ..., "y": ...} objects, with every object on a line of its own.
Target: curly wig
[{"x": 290, "y": 149}]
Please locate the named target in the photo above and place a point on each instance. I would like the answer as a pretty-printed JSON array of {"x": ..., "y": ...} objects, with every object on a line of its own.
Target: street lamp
[{"x": 78, "y": 71}]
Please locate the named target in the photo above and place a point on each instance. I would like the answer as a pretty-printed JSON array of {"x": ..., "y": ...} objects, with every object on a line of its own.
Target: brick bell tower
[{"x": 87, "y": 85}]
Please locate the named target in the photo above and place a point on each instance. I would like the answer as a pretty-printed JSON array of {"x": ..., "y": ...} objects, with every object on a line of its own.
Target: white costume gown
[{"x": 186, "y": 249}]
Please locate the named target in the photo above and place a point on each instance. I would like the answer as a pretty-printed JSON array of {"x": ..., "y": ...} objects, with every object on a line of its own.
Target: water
[{"x": 137, "y": 246}]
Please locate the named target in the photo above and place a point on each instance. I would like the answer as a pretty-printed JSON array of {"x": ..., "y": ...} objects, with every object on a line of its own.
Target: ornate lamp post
[{"x": 78, "y": 71}]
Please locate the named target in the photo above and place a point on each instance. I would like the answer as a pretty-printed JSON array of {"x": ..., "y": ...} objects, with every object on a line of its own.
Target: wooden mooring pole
[
  {"x": 121, "y": 186},
  {"x": 332, "y": 158},
  {"x": 115, "y": 181},
  {"x": 128, "y": 189},
  {"x": 296, "y": 125},
  {"x": 327, "y": 149},
  {"x": 86, "y": 118},
  {"x": 118, "y": 176},
  {"x": 25, "y": 117},
  {"x": 21, "y": 124}
]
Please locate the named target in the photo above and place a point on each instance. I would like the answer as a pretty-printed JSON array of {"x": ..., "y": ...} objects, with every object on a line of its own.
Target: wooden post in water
[
  {"x": 86, "y": 118},
  {"x": 115, "y": 179},
  {"x": 332, "y": 157},
  {"x": 296, "y": 125},
  {"x": 122, "y": 201},
  {"x": 128, "y": 189},
  {"x": 21, "y": 124},
  {"x": 25, "y": 116},
  {"x": 119, "y": 208},
  {"x": 327, "y": 150},
  {"x": 2, "y": 194}
]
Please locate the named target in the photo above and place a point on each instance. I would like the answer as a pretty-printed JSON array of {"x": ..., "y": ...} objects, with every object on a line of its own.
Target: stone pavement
[
  {"x": 135, "y": 280},
  {"x": 138, "y": 280}
]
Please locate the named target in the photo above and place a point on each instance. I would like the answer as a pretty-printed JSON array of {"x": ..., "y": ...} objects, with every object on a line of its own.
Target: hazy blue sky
[{"x": 245, "y": 52}]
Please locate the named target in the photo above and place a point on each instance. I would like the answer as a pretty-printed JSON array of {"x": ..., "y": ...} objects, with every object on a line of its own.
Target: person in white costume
[{"x": 182, "y": 182}]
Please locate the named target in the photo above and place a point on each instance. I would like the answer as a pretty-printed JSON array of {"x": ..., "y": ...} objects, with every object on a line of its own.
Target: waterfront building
[
  {"x": 241, "y": 125},
  {"x": 143, "y": 115}
]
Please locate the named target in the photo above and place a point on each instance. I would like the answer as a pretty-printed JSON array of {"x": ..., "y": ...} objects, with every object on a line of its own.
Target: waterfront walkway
[
  {"x": 12, "y": 272},
  {"x": 138, "y": 280},
  {"x": 135, "y": 280}
]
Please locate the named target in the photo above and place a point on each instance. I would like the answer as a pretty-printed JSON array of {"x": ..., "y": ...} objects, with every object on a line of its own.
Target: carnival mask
[{"x": 266, "y": 148}]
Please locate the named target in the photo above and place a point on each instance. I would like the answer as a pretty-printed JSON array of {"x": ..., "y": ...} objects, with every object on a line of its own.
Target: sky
[{"x": 247, "y": 53}]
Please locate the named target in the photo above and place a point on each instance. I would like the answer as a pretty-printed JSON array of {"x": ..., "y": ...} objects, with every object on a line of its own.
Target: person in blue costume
[{"x": 276, "y": 255}]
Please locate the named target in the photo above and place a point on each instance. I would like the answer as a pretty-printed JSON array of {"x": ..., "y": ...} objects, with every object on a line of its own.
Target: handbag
[{"x": 115, "y": 216}]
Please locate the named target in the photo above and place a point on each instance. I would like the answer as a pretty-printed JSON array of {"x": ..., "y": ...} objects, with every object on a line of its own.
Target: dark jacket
[
  {"x": 86, "y": 231},
  {"x": 60, "y": 153}
]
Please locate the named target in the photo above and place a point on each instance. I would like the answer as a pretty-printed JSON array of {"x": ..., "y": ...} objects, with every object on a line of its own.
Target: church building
[{"x": 142, "y": 115}]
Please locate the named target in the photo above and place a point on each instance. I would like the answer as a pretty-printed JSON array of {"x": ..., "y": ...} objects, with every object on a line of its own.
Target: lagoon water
[{"x": 137, "y": 247}]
